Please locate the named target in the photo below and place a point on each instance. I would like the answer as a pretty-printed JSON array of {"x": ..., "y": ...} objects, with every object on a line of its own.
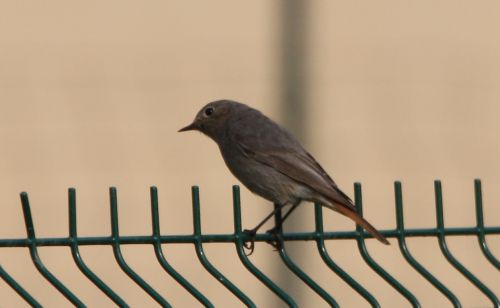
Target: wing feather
[{"x": 302, "y": 168}]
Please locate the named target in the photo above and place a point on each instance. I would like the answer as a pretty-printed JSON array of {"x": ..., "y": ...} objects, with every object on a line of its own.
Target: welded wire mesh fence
[{"x": 319, "y": 236}]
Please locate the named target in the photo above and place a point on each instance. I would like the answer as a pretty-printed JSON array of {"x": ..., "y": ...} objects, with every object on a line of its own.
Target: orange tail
[{"x": 344, "y": 210}]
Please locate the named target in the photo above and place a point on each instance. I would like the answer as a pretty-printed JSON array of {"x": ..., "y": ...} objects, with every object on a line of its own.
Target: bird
[{"x": 271, "y": 162}]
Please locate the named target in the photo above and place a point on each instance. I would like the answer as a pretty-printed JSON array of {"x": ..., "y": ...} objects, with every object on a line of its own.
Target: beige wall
[{"x": 92, "y": 94}]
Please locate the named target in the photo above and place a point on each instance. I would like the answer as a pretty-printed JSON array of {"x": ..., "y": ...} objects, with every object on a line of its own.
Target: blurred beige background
[{"x": 92, "y": 94}]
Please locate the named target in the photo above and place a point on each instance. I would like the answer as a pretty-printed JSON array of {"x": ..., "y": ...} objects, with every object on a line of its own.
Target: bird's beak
[{"x": 192, "y": 126}]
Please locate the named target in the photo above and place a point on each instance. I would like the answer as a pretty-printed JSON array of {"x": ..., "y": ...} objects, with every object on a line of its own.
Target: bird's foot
[
  {"x": 250, "y": 245},
  {"x": 278, "y": 242}
]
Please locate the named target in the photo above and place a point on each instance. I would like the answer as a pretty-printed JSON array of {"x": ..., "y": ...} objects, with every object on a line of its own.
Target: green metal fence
[{"x": 156, "y": 239}]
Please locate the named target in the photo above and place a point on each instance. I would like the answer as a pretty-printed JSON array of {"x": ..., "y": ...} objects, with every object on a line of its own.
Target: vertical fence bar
[
  {"x": 243, "y": 257},
  {"x": 446, "y": 252},
  {"x": 18, "y": 288},
  {"x": 30, "y": 230},
  {"x": 358, "y": 200},
  {"x": 161, "y": 257},
  {"x": 203, "y": 258},
  {"x": 75, "y": 252},
  {"x": 115, "y": 234},
  {"x": 295, "y": 269},
  {"x": 406, "y": 252},
  {"x": 478, "y": 197},
  {"x": 332, "y": 265}
]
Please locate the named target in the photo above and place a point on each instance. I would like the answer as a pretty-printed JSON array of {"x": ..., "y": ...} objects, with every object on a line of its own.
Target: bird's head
[{"x": 212, "y": 118}]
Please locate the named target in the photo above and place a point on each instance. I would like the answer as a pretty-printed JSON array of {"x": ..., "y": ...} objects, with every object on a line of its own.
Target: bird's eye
[{"x": 208, "y": 111}]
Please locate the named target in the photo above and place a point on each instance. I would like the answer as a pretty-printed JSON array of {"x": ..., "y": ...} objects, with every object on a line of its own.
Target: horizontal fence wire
[{"x": 239, "y": 237}]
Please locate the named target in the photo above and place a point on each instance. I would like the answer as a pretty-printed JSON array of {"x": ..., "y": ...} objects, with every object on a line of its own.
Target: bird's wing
[
  {"x": 301, "y": 167},
  {"x": 314, "y": 164}
]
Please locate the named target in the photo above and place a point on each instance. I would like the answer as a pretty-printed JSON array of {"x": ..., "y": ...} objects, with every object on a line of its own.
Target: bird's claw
[
  {"x": 278, "y": 243},
  {"x": 250, "y": 245}
]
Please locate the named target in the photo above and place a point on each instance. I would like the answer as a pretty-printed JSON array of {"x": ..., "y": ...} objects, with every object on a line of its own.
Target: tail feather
[{"x": 344, "y": 210}]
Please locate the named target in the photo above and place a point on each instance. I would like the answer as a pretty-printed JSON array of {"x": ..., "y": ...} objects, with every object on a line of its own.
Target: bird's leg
[
  {"x": 276, "y": 231},
  {"x": 250, "y": 245},
  {"x": 253, "y": 231},
  {"x": 282, "y": 220},
  {"x": 278, "y": 224}
]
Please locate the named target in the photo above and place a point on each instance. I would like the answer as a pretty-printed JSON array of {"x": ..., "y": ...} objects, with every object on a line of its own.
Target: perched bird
[{"x": 270, "y": 162}]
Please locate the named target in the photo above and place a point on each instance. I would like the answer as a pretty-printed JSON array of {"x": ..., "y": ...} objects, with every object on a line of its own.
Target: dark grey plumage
[{"x": 269, "y": 161}]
